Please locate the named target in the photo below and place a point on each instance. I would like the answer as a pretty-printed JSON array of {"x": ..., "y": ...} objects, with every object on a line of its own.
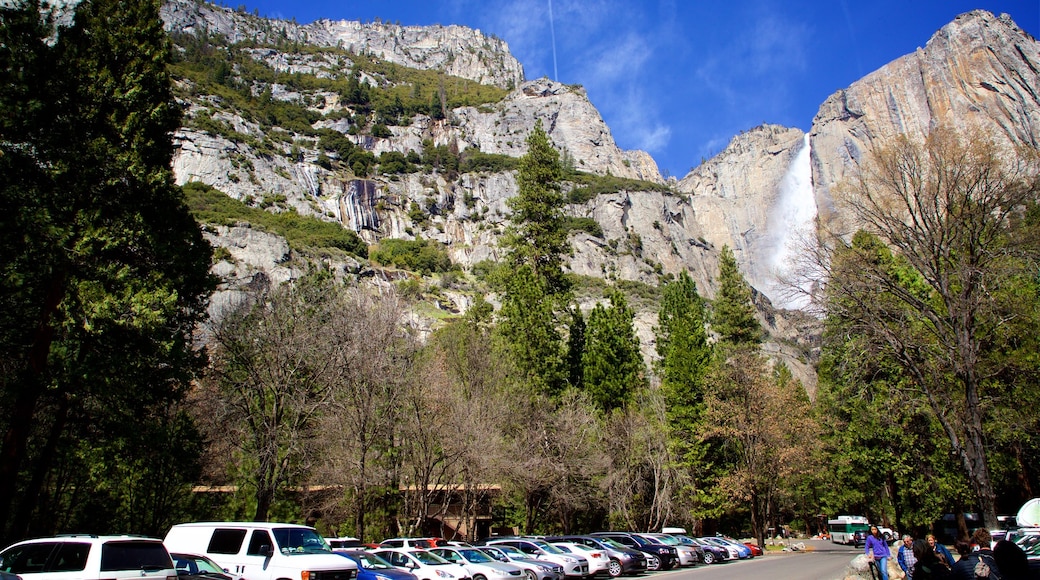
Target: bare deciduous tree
[
  {"x": 276, "y": 369},
  {"x": 945, "y": 213}
]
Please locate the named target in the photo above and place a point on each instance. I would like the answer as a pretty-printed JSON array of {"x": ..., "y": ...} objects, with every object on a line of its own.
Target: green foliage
[
  {"x": 476, "y": 161},
  {"x": 584, "y": 224},
  {"x": 423, "y": 256},
  {"x": 104, "y": 278},
  {"x": 682, "y": 345},
  {"x": 611, "y": 361},
  {"x": 587, "y": 186},
  {"x": 537, "y": 236},
  {"x": 210, "y": 205},
  {"x": 395, "y": 162},
  {"x": 732, "y": 312},
  {"x": 528, "y": 327}
]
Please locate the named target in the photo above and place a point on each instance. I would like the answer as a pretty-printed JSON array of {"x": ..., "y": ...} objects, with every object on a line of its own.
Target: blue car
[{"x": 372, "y": 567}]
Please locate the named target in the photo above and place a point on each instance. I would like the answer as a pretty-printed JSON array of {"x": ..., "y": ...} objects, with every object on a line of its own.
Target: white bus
[{"x": 843, "y": 529}]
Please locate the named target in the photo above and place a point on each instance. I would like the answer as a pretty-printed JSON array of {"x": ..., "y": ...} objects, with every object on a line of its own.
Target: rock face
[
  {"x": 573, "y": 124},
  {"x": 457, "y": 50},
  {"x": 980, "y": 71},
  {"x": 737, "y": 195}
]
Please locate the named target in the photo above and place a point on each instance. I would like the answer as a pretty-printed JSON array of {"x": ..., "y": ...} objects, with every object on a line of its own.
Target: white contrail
[{"x": 552, "y": 31}]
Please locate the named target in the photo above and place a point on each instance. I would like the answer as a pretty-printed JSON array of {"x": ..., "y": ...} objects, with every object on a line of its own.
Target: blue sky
[{"x": 680, "y": 78}]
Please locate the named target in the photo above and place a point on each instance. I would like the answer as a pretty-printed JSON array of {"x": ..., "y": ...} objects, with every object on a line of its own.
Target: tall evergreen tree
[
  {"x": 104, "y": 276},
  {"x": 682, "y": 345},
  {"x": 732, "y": 311},
  {"x": 538, "y": 235},
  {"x": 613, "y": 366},
  {"x": 535, "y": 288}
]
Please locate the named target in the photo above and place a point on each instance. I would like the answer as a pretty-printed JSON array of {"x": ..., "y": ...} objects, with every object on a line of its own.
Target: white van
[{"x": 262, "y": 551}]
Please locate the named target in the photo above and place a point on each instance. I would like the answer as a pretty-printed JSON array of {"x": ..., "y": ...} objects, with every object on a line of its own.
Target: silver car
[{"x": 533, "y": 569}]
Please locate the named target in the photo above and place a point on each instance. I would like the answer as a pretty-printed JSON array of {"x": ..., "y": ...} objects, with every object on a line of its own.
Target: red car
[{"x": 755, "y": 550}]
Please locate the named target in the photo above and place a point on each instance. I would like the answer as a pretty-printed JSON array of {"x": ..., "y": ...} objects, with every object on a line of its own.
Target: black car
[
  {"x": 623, "y": 560},
  {"x": 660, "y": 556}
]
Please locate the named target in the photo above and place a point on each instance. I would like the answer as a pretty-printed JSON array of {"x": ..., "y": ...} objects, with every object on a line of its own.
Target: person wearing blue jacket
[
  {"x": 877, "y": 549},
  {"x": 941, "y": 551}
]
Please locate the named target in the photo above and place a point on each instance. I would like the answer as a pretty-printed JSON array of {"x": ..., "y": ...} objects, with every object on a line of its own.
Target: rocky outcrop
[
  {"x": 573, "y": 124},
  {"x": 456, "y": 50},
  {"x": 736, "y": 196},
  {"x": 978, "y": 72}
]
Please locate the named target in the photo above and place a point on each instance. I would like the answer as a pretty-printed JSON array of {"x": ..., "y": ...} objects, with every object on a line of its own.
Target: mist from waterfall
[{"x": 791, "y": 225}]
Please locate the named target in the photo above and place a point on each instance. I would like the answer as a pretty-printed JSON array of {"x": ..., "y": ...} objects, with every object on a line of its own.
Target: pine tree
[
  {"x": 613, "y": 365},
  {"x": 732, "y": 312},
  {"x": 538, "y": 235},
  {"x": 535, "y": 287},
  {"x": 682, "y": 345},
  {"x": 105, "y": 272}
]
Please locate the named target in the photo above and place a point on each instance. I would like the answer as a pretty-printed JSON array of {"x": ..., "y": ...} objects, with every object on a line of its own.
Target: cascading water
[{"x": 791, "y": 226}]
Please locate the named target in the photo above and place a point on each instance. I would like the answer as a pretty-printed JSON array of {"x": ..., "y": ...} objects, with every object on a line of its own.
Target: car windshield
[
  {"x": 686, "y": 540},
  {"x": 195, "y": 564},
  {"x": 475, "y": 556},
  {"x": 495, "y": 553},
  {"x": 667, "y": 540},
  {"x": 511, "y": 551},
  {"x": 549, "y": 548},
  {"x": 611, "y": 543},
  {"x": 428, "y": 558},
  {"x": 300, "y": 541},
  {"x": 370, "y": 561}
]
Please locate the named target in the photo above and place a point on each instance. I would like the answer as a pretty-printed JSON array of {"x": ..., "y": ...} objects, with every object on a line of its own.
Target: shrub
[{"x": 423, "y": 256}]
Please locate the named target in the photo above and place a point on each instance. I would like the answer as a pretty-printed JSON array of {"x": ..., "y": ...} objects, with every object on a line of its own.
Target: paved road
[{"x": 823, "y": 561}]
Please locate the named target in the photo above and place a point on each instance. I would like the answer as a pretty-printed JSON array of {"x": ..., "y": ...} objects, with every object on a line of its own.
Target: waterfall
[{"x": 791, "y": 225}]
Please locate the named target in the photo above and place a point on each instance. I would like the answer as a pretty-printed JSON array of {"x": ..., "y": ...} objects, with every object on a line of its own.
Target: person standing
[
  {"x": 941, "y": 551},
  {"x": 877, "y": 549},
  {"x": 905, "y": 556}
]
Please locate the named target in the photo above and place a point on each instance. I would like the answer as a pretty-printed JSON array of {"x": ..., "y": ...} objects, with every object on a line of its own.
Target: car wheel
[
  {"x": 652, "y": 563},
  {"x": 529, "y": 575},
  {"x": 614, "y": 568},
  {"x": 709, "y": 558},
  {"x": 479, "y": 577}
]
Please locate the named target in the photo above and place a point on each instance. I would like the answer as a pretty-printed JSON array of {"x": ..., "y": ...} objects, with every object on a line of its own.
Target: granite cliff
[{"x": 771, "y": 181}]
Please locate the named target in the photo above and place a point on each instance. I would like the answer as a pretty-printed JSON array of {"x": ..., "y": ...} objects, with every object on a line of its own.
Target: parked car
[
  {"x": 742, "y": 550},
  {"x": 574, "y": 566},
  {"x": 598, "y": 559},
  {"x": 732, "y": 551},
  {"x": 756, "y": 550},
  {"x": 423, "y": 564},
  {"x": 623, "y": 560},
  {"x": 197, "y": 567},
  {"x": 261, "y": 550},
  {"x": 479, "y": 565},
  {"x": 347, "y": 543},
  {"x": 663, "y": 557},
  {"x": 533, "y": 569},
  {"x": 86, "y": 557},
  {"x": 710, "y": 553},
  {"x": 372, "y": 567},
  {"x": 420, "y": 543},
  {"x": 688, "y": 555}
]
